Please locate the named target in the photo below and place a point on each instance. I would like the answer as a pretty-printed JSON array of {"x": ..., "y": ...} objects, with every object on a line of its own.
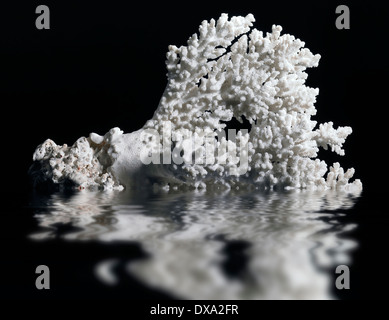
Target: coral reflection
[{"x": 203, "y": 245}]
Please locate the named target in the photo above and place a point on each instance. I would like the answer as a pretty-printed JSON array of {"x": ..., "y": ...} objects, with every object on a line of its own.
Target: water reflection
[{"x": 203, "y": 245}]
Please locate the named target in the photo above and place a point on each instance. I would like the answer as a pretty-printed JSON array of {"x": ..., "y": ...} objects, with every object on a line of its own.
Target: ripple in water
[{"x": 203, "y": 245}]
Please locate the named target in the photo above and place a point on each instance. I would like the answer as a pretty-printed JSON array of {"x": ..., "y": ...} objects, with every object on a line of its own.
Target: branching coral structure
[{"x": 228, "y": 70}]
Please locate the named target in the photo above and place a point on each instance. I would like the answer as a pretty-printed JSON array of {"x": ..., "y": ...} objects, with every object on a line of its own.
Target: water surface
[{"x": 206, "y": 245}]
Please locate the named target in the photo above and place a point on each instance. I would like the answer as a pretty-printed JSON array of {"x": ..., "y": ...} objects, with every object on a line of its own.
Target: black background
[{"x": 101, "y": 65}]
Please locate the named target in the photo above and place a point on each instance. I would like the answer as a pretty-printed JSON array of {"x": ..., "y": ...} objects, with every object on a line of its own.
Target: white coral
[
  {"x": 86, "y": 163},
  {"x": 230, "y": 70}
]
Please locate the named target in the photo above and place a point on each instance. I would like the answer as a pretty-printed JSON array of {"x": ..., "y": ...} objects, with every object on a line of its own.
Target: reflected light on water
[{"x": 203, "y": 245}]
